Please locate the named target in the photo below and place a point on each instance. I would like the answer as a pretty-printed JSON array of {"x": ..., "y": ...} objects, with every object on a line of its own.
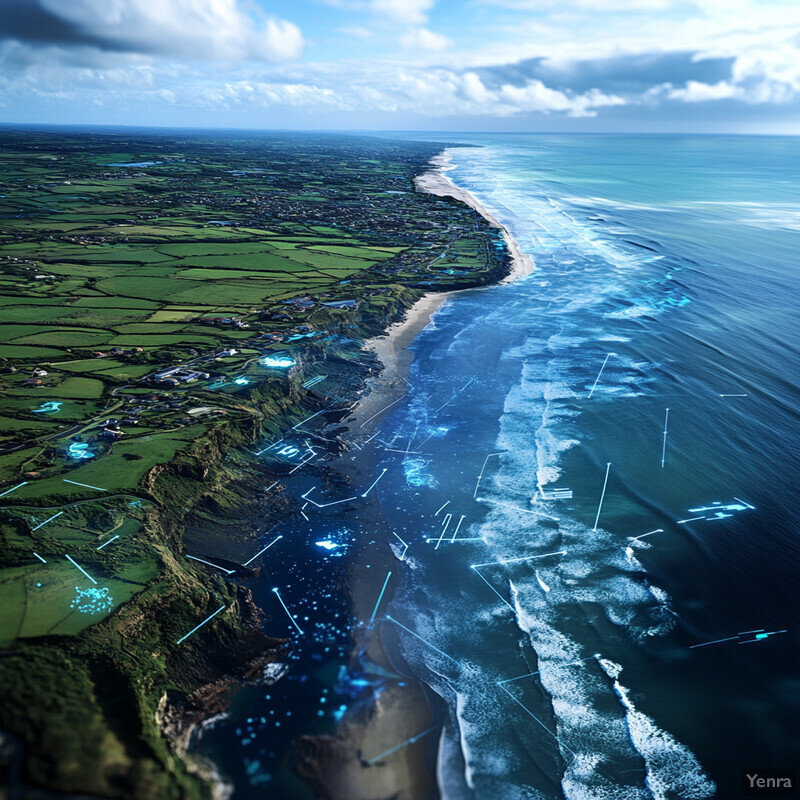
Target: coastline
[
  {"x": 392, "y": 347},
  {"x": 334, "y": 765},
  {"x": 435, "y": 181}
]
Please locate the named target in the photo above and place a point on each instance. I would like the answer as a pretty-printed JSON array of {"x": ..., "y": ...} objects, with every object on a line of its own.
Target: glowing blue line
[
  {"x": 466, "y": 384},
  {"x": 493, "y": 589},
  {"x": 649, "y": 533},
  {"x": 289, "y": 613},
  {"x": 108, "y": 542},
  {"x": 554, "y": 666},
  {"x": 216, "y": 566},
  {"x": 744, "y": 633},
  {"x": 271, "y": 487},
  {"x": 42, "y": 524},
  {"x": 475, "y": 493},
  {"x": 380, "y": 597},
  {"x": 693, "y": 519},
  {"x": 295, "y": 427},
  {"x": 207, "y": 619},
  {"x": 324, "y": 505},
  {"x": 455, "y": 532},
  {"x": 40, "y": 558},
  {"x": 302, "y": 464},
  {"x": 745, "y": 504},
  {"x": 522, "y": 558},
  {"x": 762, "y": 637},
  {"x": 375, "y": 482},
  {"x": 417, "y": 636},
  {"x": 379, "y": 412},
  {"x": 456, "y": 541},
  {"x": 602, "y": 496},
  {"x": 394, "y": 749},
  {"x": 263, "y": 550},
  {"x": 405, "y": 547},
  {"x": 664, "y": 446},
  {"x": 86, "y": 485},
  {"x": 442, "y": 508},
  {"x": 72, "y": 561},
  {"x": 598, "y": 375},
  {"x": 13, "y": 488},
  {"x": 525, "y": 708},
  {"x": 445, "y": 525},
  {"x": 716, "y": 641}
]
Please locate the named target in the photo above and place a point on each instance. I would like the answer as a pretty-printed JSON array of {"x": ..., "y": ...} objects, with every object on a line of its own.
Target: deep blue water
[
  {"x": 666, "y": 278},
  {"x": 674, "y": 260}
]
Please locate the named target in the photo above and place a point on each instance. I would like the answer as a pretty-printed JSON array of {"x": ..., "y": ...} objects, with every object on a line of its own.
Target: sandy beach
[{"x": 435, "y": 181}]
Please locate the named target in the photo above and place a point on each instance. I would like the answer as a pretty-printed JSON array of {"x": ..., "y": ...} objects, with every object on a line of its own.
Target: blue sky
[{"x": 481, "y": 65}]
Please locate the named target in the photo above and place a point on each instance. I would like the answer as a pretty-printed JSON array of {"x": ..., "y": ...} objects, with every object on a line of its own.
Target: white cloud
[
  {"x": 407, "y": 12},
  {"x": 696, "y": 92},
  {"x": 423, "y": 39},
  {"x": 205, "y": 29},
  {"x": 535, "y": 96}
]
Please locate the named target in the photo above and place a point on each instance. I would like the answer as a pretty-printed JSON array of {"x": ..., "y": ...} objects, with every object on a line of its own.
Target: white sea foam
[{"x": 673, "y": 771}]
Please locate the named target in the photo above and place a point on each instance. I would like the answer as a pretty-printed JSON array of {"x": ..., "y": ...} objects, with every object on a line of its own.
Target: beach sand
[{"x": 337, "y": 766}]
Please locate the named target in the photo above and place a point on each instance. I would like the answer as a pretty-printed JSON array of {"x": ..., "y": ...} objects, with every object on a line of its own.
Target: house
[
  {"x": 39, "y": 373},
  {"x": 31, "y": 382},
  {"x": 227, "y": 353},
  {"x": 111, "y": 433}
]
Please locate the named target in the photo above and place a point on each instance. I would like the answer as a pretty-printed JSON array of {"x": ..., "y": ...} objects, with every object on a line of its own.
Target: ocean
[
  {"x": 616, "y": 439},
  {"x": 595, "y": 470}
]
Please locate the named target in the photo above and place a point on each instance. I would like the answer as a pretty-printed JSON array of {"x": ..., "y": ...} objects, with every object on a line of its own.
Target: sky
[{"x": 730, "y": 66}]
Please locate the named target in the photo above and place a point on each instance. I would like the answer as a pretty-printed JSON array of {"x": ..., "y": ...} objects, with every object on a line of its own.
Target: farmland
[{"x": 143, "y": 279}]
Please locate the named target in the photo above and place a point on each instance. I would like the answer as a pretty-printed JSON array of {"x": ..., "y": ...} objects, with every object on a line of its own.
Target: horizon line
[{"x": 382, "y": 131}]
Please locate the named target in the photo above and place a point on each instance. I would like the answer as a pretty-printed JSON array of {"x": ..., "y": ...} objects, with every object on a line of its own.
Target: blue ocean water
[{"x": 642, "y": 382}]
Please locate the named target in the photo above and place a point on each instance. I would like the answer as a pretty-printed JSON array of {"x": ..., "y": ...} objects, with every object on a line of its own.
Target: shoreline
[
  {"x": 397, "y": 712},
  {"x": 435, "y": 181},
  {"x": 392, "y": 347}
]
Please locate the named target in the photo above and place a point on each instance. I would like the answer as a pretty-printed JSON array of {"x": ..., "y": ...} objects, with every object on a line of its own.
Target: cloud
[
  {"x": 696, "y": 92},
  {"x": 191, "y": 29},
  {"x": 423, "y": 39},
  {"x": 407, "y": 12}
]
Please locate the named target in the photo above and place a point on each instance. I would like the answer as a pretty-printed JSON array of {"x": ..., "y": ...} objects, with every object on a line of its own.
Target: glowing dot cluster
[{"x": 92, "y": 600}]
